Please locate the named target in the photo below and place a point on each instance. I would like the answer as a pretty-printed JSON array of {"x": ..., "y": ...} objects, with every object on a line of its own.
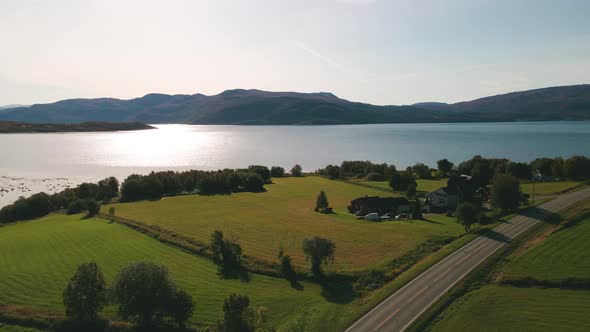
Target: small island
[{"x": 23, "y": 127}]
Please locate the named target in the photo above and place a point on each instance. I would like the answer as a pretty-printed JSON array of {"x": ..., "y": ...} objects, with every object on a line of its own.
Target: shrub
[
  {"x": 181, "y": 307},
  {"x": 77, "y": 206}
]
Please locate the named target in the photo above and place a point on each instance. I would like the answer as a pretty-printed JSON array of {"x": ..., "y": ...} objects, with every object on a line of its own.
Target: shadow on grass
[
  {"x": 492, "y": 234},
  {"x": 431, "y": 221},
  {"x": 234, "y": 273},
  {"x": 295, "y": 284}
]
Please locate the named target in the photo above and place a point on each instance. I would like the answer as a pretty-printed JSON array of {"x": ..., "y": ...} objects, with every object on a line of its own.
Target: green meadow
[
  {"x": 494, "y": 308},
  {"x": 548, "y": 188},
  {"x": 563, "y": 254},
  {"x": 283, "y": 216},
  {"x": 37, "y": 259},
  {"x": 554, "y": 253}
]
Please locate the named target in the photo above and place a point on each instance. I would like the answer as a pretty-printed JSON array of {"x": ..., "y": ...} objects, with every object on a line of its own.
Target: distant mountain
[
  {"x": 12, "y": 106},
  {"x": 291, "y": 108},
  {"x": 554, "y": 103}
]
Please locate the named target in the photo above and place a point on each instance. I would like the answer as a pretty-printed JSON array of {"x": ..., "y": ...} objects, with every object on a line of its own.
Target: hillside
[
  {"x": 22, "y": 127},
  {"x": 290, "y": 108}
]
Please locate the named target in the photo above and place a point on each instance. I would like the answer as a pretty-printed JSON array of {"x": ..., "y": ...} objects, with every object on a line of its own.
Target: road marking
[
  {"x": 462, "y": 259},
  {"x": 442, "y": 274},
  {"x": 386, "y": 319},
  {"x": 420, "y": 292}
]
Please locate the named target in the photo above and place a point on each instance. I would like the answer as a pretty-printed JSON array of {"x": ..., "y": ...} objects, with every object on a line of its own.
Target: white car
[{"x": 373, "y": 216}]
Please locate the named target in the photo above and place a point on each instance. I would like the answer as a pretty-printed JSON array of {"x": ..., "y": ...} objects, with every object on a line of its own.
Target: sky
[{"x": 377, "y": 51}]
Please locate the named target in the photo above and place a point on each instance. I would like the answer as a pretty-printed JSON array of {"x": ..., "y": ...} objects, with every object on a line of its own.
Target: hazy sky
[{"x": 380, "y": 51}]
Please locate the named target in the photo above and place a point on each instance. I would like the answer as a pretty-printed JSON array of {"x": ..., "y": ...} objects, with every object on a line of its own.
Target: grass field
[
  {"x": 14, "y": 328},
  {"x": 425, "y": 185},
  {"x": 37, "y": 258},
  {"x": 548, "y": 188},
  {"x": 564, "y": 253},
  {"x": 494, "y": 308},
  {"x": 283, "y": 216}
]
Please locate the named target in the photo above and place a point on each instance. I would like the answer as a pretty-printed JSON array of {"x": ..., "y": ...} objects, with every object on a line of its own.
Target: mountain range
[{"x": 256, "y": 107}]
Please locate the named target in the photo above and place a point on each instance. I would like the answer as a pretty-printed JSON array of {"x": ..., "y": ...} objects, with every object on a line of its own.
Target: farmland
[
  {"x": 554, "y": 254},
  {"x": 548, "y": 188},
  {"x": 494, "y": 308},
  {"x": 37, "y": 258},
  {"x": 283, "y": 216}
]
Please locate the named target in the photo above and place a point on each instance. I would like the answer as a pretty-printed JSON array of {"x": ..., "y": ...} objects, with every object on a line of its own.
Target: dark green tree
[
  {"x": 93, "y": 208},
  {"x": 180, "y": 307},
  {"x": 577, "y": 168},
  {"x": 411, "y": 190},
  {"x": 416, "y": 210},
  {"x": 297, "y": 170},
  {"x": 506, "y": 193},
  {"x": 444, "y": 167},
  {"x": 421, "y": 171},
  {"x": 235, "y": 313},
  {"x": 321, "y": 202},
  {"x": 86, "y": 293},
  {"x": 217, "y": 245},
  {"x": 318, "y": 250},
  {"x": 467, "y": 215},
  {"x": 143, "y": 291},
  {"x": 277, "y": 172}
]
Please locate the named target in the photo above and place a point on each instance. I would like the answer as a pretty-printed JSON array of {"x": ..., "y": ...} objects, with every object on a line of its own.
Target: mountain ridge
[{"x": 259, "y": 107}]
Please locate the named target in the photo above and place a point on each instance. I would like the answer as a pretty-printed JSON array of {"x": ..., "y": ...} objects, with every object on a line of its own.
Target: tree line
[{"x": 155, "y": 185}]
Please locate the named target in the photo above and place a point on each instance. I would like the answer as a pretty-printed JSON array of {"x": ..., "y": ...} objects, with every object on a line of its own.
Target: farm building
[{"x": 380, "y": 205}]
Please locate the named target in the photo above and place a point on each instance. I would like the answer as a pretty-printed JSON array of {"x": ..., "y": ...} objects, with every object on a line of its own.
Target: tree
[
  {"x": 254, "y": 182},
  {"x": 411, "y": 190},
  {"x": 297, "y": 170},
  {"x": 93, "y": 208},
  {"x": 577, "y": 168},
  {"x": 467, "y": 215},
  {"x": 217, "y": 245},
  {"x": 506, "y": 192},
  {"x": 277, "y": 172},
  {"x": 181, "y": 307},
  {"x": 85, "y": 294},
  {"x": 263, "y": 171},
  {"x": 444, "y": 166},
  {"x": 321, "y": 202},
  {"x": 421, "y": 171},
  {"x": 286, "y": 268},
  {"x": 235, "y": 312},
  {"x": 77, "y": 206},
  {"x": 401, "y": 180},
  {"x": 143, "y": 290},
  {"x": 522, "y": 171},
  {"x": 417, "y": 210},
  {"x": 318, "y": 250}
]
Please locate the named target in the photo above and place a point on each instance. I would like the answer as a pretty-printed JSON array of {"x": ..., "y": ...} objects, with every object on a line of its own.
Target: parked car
[
  {"x": 373, "y": 216},
  {"x": 401, "y": 216}
]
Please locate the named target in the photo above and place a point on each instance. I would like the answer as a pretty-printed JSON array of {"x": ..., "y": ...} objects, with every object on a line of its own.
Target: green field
[
  {"x": 426, "y": 185},
  {"x": 37, "y": 258},
  {"x": 563, "y": 254},
  {"x": 548, "y": 188},
  {"x": 494, "y": 308},
  {"x": 283, "y": 216},
  {"x": 14, "y": 328}
]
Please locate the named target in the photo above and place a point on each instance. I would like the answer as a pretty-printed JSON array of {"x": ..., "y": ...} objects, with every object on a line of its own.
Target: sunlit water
[{"x": 27, "y": 159}]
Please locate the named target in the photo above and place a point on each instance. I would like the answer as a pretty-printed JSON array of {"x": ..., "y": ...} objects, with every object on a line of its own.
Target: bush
[
  {"x": 235, "y": 314},
  {"x": 77, "y": 206},
  {"x": 85, "y": 294},
  {"x": 375, "y": 177},
  {"x": 181, "y": 307},
  {"x": 254, "y": 183},
  {"x": 277, "y": 172},
  {"x": 93, "y": 208},
  {"x": 369, "y": 281}
]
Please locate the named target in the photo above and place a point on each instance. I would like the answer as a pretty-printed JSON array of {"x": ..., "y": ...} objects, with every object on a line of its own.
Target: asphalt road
[{"x": 398, "y": 311}]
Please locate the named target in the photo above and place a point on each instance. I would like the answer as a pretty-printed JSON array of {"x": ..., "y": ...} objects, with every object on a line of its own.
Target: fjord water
[{"x": 75, "y": 157}]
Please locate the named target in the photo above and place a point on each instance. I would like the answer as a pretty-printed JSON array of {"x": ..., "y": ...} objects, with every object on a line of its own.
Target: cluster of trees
[
  {"x": 84, "y": 197},
  {"x": 358, "y": 169},
  {"x": 226, "y": 253},
  {"x": 145, "y": 294}
]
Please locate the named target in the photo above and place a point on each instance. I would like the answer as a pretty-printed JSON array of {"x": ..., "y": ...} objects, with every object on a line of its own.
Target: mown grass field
[
  {"x": 553, "y": 253},
  {"x": 426, "y": 185},
  {"x": 283, "y": 216},
  {"x": 565, "y": 253},
  {"x": 494, "y": 308},
  {"x": 37, "y": 258},
  {"x": 547, "y": 188}
]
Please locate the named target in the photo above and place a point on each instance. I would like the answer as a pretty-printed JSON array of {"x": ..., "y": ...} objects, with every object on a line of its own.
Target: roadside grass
[
  {"x": 283, "y": 216},
  {"x": 37, "y": 258},
  {"x": 563, "y": 254},
  {"x": 548, "y": 188},
  {"x": 495, "y": 308},
  {"x": 16, "y": 328},
  {"x": 478, "y": 303}
]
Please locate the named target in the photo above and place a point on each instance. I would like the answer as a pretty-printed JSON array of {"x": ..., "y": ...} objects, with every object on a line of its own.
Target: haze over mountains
[{"x": 256, "y": 107}]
